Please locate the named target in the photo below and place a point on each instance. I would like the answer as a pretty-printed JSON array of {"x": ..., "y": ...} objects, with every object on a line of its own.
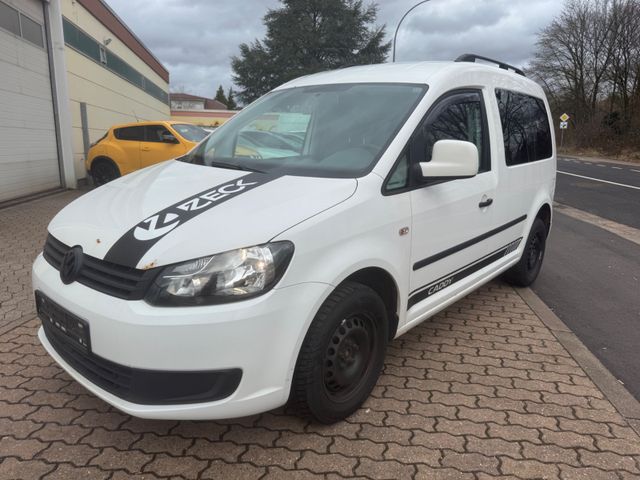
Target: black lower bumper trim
[{"x": 146, "y": 387}]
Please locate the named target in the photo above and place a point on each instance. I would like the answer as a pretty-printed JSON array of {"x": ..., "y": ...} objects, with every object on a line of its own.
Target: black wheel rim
[
  {"x": 349, "y": 356},
  {"x": 534, "y": 252},
  {"x": 101, "y": 174}
]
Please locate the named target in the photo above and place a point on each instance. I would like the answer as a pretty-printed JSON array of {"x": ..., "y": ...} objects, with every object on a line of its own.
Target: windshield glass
[
  {"x": 328, "y": 130},
  {"x": 190, "y": 132}
]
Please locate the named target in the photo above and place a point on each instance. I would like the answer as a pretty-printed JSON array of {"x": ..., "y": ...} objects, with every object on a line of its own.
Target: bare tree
[
  {"x": 625, "y": 66},
  {"x": 588, "y": 60}
]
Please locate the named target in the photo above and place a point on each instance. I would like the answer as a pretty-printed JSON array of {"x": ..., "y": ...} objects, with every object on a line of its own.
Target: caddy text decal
[{"x": 134, "y": 244}]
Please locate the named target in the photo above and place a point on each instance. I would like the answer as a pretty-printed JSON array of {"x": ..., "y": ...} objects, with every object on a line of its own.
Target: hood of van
[{"x": 176, "y": 211}]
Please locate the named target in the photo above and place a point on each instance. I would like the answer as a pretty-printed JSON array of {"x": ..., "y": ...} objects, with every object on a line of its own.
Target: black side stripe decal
[
  {"x": 133, "y": 245},
  {"x": 450, "y": 251},
  {"x": 431, "y": 289}
]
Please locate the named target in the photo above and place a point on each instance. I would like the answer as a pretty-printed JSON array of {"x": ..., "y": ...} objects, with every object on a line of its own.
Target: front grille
[{"x": 106, "y": 277}]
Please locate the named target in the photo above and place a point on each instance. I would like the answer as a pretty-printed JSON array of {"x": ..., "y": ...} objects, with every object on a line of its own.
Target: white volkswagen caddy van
[{"x": 277, "y": 259}]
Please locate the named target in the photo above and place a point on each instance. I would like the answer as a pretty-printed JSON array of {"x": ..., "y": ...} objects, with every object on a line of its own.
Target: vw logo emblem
[{"x": 71, "y": 264}]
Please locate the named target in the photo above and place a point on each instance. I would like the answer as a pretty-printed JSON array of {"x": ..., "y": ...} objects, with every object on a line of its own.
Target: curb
[
  {"x": 613, "y": 390},
  {"x": 623, "y": 231}
]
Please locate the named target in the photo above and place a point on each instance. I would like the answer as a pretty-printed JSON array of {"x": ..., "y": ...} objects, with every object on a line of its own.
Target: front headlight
[{"x": 225, "y": 277}]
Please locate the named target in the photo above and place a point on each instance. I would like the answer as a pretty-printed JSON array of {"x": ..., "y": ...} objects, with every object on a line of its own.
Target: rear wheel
[
  {"x": 525, "y": 272},
  {"x": 103, "y": 171},
  {"x": 342, "y": 354}
]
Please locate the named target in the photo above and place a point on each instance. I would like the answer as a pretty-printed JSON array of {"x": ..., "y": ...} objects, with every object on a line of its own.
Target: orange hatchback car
[{"x": 129, "y": 147}]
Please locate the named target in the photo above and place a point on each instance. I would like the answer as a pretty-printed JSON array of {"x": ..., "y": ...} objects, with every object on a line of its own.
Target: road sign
[
  {"x": 564, "y": 117},
  {"x": 564, "y": 125}
]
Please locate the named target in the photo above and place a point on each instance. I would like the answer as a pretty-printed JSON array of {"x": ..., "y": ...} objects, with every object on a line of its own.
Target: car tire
[
  {"x": 103, "y": 170},
  {"x": 525, "y": 272},
  {"x": 342, "y": 354}
]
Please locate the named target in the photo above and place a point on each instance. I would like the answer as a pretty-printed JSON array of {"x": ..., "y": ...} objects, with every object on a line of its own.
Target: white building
[{"x": 69, "y": 69}]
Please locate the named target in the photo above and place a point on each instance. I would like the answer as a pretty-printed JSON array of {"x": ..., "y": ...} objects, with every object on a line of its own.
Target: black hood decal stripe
[{"x": 133, "y": 245}]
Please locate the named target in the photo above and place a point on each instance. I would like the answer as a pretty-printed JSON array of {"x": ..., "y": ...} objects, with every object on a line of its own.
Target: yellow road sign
[{"x": 564, "y": 117}]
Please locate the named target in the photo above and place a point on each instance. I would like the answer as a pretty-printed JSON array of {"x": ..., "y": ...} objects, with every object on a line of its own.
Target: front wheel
[
  {"x": 342, "y": 354},
  {"x": 103, "y": 171},
  {"x": 525, "y": 272}
]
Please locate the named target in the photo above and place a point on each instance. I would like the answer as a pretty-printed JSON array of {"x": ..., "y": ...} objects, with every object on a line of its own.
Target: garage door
[{"x": 28, "y": 149}]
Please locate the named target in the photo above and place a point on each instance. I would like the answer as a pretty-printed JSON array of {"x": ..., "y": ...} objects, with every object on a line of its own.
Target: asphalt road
[
  {"x": 615, "y": 194},
  {"x": 591, "y": 277}
]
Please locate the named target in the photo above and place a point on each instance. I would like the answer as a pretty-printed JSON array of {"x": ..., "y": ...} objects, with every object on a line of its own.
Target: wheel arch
[
  {"x": 383, "y": 283},
  {"x": 545, "y": 214},
  {"x": 103, "y": 158}
]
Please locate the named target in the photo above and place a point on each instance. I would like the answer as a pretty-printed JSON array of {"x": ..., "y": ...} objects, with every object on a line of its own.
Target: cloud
[{"x": 195, "y": 39}]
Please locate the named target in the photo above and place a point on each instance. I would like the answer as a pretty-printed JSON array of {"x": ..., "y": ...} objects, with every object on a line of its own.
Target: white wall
[{"x": 110, "y": 99}]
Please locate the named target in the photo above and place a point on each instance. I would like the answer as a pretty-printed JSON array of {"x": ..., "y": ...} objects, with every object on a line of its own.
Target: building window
[
  {"x": 90, "y": 47},
  {"x": 9, "y": 19},
  {"x": 21, "y": 25},
  {"x": 31, "y": 31}
]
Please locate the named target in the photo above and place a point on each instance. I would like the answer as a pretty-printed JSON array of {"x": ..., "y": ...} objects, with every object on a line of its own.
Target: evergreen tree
[
  {"x": 220, "y": 95},
  {"x": 231, "y": 102},
  {"x": 308, "y": 36}
]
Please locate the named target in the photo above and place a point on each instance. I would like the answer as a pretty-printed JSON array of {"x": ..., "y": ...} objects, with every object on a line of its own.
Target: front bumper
[{"x": 260, "y": 337}]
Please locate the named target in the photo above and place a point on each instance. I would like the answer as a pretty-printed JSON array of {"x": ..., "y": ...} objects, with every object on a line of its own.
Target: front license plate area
[{"x": 62, "y": 323}]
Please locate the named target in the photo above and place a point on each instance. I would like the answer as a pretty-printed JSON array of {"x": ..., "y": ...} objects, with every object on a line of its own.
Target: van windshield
[{"x": 338, "y": 130}]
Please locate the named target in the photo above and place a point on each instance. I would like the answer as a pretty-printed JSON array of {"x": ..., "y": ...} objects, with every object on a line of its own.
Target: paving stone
[
  {"x": 413, "y": 454},
  {"x": 226, "y": 451},
  {"x": 529, "y": 469},
  {"x": 260, "y": 456},
  {"x": 219, "y": 470},
  {"x": 24, "y": 469},
  {"x": 307, "y": 441},
  {"x": 152, "y": 443},
  {"x": 131, "y": 461},
  {"x": 493, "y": 447},
  {"x": 165, "y": 465},
  {"x": 384, "y": 470},
  {"x": 22, "y": 449},
  {"x": 609, "y": 461},
  {"x": 121, "y": 439},
  {"x": 327, "y": 463},
  {"x": 67, "y": 472},
  {"x": 78, "y": 455},
  {"x": 470, "y": 462},
  {"x": 429, "y": 473}
]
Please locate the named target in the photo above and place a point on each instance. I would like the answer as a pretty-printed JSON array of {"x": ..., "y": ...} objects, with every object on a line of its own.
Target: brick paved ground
[{"x": 481, "y": 391}]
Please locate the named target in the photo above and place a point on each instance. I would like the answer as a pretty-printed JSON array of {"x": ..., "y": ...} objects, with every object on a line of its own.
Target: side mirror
[
  {"x": 169, "y": 138},
  {"x": 451, "y": 159}
]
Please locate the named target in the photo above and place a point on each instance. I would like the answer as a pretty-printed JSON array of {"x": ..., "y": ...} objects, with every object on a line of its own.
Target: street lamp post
[{"x": 393, "y": 58}]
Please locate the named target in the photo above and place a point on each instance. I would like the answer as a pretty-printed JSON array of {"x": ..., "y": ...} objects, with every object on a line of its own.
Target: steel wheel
[
  {"x": 342, "y": 354},
  {"x": 349, "y": 356}
]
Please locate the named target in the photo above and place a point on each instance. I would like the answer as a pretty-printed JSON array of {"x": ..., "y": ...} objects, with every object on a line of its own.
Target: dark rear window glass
[
  {"x": 525, "y": 127},
  {"x": 129, "y": 133}
]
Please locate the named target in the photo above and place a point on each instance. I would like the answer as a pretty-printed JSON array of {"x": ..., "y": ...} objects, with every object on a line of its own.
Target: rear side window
[
  {"x": 525, "y": 127},
  {"x": 130, "y": 133}
]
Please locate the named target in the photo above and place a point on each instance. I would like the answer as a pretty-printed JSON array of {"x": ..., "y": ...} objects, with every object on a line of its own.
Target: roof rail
[{"x": 472, "y": 57}]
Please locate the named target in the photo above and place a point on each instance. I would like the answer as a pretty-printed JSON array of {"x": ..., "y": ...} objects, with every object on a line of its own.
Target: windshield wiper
[{"x": 234, "y": 166}]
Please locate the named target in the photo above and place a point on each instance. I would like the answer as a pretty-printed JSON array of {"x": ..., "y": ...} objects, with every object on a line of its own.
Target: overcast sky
[{"x": 195, "y": 39}]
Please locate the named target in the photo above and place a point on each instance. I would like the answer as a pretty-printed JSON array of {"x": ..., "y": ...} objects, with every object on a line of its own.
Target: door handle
[
  {"x": 485, "y": 203},
  {"x": 145, "y": 149}
]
